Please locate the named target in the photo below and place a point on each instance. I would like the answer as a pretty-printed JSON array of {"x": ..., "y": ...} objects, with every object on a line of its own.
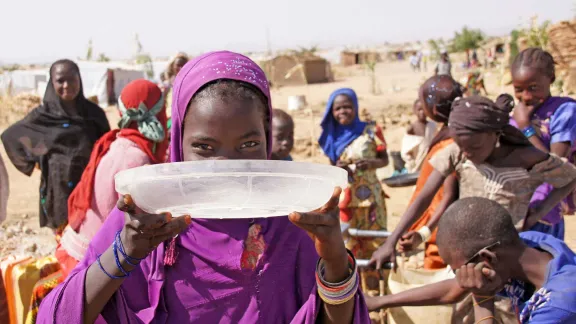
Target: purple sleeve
[
  {"x": 306, "y": 278},
  {"x": 551, "y": 315},
  {"x": 65, "y": 304},
  {"x": 563, "y": 124}
]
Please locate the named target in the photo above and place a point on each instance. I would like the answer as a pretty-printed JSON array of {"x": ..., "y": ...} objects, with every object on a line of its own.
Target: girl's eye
[
  {"x": 532, "y": 88},
  {"x": 203, "y": 147},
  {"x": 250, "y": 144}
]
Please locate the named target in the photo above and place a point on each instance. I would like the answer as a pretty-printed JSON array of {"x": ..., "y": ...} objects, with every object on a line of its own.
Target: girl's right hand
[{"x": 142, "y": 233}]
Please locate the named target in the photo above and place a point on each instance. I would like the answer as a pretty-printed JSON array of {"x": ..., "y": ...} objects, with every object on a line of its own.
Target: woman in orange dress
[{"x": 437, "y": 95}]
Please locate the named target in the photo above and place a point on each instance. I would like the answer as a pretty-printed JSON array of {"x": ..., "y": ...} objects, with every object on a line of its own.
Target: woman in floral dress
[{"x": 359, "y": 148}]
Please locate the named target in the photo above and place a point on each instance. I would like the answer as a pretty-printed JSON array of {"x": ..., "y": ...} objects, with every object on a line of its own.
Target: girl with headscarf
[
  {"x": 140, "y": 140},
  {"x": 436, "y": 95},
  {"x": 359, "y": 148},
  {"x": 57, "y": 137},
  {"x": 138, "y": 270},
  {"x": 491, "y": 159}
]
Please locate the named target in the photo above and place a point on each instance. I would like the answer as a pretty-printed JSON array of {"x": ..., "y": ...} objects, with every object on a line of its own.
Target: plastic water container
[{"x": 231, "y": 188}]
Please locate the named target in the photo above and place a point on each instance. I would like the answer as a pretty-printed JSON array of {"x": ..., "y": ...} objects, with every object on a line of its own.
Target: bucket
[
  {"x": 296, "y": 103},
  {"x": 405, "y": 279}
]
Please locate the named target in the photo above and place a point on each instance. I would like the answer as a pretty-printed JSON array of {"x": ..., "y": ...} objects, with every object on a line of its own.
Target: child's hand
[
  {"x": 409, "y": 241},
  {"x": 323, "y": 226},
  {"x": 479, "y": 279},
  {"x": 142, "y": 232},
  {"x": 523, "y": 114}
]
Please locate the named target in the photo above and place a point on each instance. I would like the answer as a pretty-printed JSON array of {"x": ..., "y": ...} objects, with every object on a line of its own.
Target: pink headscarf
[{"x": 205, "y": 69}]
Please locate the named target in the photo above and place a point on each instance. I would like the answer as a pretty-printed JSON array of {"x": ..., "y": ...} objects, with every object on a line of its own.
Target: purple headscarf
[
  {"x": 206, "y": 284},
  {"x": 205, "y": 69}
]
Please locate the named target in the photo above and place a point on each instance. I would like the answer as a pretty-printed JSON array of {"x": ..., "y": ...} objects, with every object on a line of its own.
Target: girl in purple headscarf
[{"x": 214, "y": 271}]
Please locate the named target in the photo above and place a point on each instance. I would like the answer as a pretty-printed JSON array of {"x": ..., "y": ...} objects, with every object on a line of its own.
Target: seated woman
[{"x": 155, "y": 268}]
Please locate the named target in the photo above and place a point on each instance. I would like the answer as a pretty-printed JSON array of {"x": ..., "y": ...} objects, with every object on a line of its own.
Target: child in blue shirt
[{"x": 476, "y": 236}]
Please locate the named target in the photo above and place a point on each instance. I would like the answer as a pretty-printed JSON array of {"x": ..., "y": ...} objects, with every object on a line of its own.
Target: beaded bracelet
[
  {"x": 111, "y": 276},
  {"x": 529, "y": 131},
  {"x": 130, "y": 260},
  {"x": 341, "y": 292}
]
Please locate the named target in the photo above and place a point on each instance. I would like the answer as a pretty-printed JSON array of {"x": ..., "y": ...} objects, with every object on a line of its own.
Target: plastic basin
[{"x": 231, "y": 188}]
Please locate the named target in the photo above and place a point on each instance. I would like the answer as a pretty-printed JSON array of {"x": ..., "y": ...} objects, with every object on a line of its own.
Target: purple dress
[
  {"x": 556, "y": 122},
  {"x": 206, "y": 283}
]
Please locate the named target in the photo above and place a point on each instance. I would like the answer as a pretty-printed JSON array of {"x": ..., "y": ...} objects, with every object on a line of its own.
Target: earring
[{"x": 497, "y": 142}]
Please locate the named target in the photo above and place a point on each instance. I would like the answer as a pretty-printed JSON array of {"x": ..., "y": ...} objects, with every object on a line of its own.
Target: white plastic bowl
[{"x": 231, "y": 188}]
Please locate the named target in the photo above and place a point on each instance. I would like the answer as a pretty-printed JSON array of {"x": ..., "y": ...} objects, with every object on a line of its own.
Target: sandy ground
[{"x": 397, "y": 87}]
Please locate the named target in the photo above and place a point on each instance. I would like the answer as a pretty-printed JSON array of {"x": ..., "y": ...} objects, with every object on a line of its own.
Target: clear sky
[{"x": 44, "y": 30}]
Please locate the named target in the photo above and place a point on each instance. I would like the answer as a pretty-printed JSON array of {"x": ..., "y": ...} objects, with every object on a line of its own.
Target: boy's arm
[
  {"x": 551, "y": 315},
  {"x": 440, "y": 293},
  {"x": 484, "y": 309}
]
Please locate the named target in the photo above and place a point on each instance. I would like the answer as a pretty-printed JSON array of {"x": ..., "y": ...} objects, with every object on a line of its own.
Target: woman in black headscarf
[{"x": 57, "y": 137}]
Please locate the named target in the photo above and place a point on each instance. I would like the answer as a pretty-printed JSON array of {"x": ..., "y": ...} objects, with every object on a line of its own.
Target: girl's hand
[
  {"x": 323, "y": 226},
  {"x": 522, "y": 114},
  {"x": 142, "y": 232},
  {"x": 409, "y": 241},
  {"x": 385, "y": 253}
]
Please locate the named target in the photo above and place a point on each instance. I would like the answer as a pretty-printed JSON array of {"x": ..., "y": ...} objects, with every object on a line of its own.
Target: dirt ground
[{"x": 397, "y": 85}]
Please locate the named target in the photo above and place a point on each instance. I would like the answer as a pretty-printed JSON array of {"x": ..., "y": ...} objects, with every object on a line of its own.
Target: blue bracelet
[
  {"x": 130, "y": 260},
  {"x": 115, "y": 249},
  {"x": 529, "y": 131},
  {"x": 106, "y": 272}
]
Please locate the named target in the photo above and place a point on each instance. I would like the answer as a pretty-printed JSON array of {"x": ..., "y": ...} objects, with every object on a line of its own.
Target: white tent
[
  {"x": 95, "y": 79},
  {"x": 20, "y": 81}
]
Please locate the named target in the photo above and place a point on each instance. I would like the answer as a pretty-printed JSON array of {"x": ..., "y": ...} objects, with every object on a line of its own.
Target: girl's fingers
[
  {"x": 333, "y": 202},
  {"x": 126, "y": 204},
  {"x": 173, "y": 227},
  {"x": 313, "y": 219}
]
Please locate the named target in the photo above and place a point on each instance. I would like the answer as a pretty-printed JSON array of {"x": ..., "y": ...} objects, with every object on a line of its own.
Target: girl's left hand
[{"x": 323, "y": 226}]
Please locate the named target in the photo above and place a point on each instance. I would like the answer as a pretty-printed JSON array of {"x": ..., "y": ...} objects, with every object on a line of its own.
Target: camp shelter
[
  {"x": 22, "y": 81},
  {"x": 286, "y": 69},
  {"x": 105, "y": 80},
  {"x": 348, "y": 58}
]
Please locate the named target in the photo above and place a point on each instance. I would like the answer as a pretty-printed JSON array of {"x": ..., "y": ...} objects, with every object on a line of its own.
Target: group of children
[{"x": 488, "y": 202}]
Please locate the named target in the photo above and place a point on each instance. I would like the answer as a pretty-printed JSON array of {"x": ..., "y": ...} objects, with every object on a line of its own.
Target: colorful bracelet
[
  {"x": 130, "y": 260},
  {"x": 341, "y": 292},
  {"x": 529, "y": 131}
]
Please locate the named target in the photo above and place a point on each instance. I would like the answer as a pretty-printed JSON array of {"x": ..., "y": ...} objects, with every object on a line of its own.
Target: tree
[
  {"x": 536, "y": 35},
  {"x": 89, "y": 51},
  {"x": 467, "y": 39},
  {"x": 103, "y": 58}
]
